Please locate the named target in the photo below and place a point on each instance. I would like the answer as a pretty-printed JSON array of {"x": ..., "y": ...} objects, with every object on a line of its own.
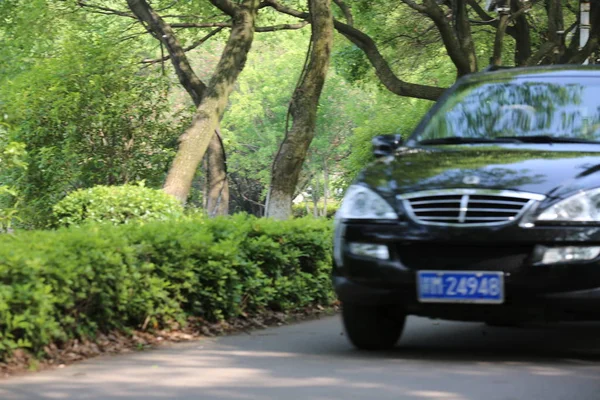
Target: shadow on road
[
  {"x": 435, "y": 360},
  {"x": 425, "y": 339},
  {"x": 473, "y": 341}
]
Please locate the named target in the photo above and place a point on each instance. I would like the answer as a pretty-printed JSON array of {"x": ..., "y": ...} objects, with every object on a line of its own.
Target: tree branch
[
  {"x": 272, "y": 28},
  {"x": 499, "y": 40},
  {"x": 368, "y": 46},
  {"x": 104, "y": 10},
  {"x": 542, "y": 52},
  {"x": 463, "y": 32},
  {"x": 227, "y": 6},
  {"x": 173, "y": 3},
  {"x": 521, "y": 9},
  {"x": 573, "y": 47},
  {"x": 286, "y": 10},
  {"x": 476, "y": 22},
  {"x": 178, "y": 25},
  {"x": 164, "y": 32},
  {"x": 453, "y": 47},
  {"x": 194, "y": 142},
  {"x": 555, "y": 20},
  {"x": 487, "y": 18},
  {"x": 346, "y": 11},
  {"x": 573, "y": 9},
  {"x": 132, "y": 36},
  {"x": 417, "y": 7},
  {"x": 281, "y": 27},
  {"x": 189, "y": 48},
  {"x": 522, "y": 32},
  {"x": 593, "y": 43},
  {"x": 192, "y": 16}
]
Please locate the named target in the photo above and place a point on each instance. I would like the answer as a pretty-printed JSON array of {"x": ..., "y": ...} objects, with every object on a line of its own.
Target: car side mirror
[{"x": 386, "y": 145}]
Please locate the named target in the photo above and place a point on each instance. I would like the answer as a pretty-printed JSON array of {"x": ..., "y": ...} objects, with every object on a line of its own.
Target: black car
[{"x": 490, "y": 211}]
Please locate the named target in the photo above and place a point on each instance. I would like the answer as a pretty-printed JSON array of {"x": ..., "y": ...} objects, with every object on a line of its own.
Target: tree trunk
[
  {"x": 325, "y": 187},
  {"x": 383, "y": 70},
  {"x": 593, "y": 43},
  {"x": 499, "y": 41},
  {"x": 522, "y": 35},
  {"x": 195, "y": 141},
  {"x": 463, "y": 33},
  {"x": 217, "y": 191},
  {"x": 217, "y": 187},
  {"x": 454, "y": 47},
  {"x": 303, "y": 109},
  {"x": 556, "y": 26},
  {"x": 315, "y": 198}
]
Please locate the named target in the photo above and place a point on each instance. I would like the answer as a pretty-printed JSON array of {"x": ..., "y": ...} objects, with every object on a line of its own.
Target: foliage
[
  {"x": 116, "y": 205},
  {"x": 405, "y": 38},
  {"x": 75, "y": 283},
  {"x": 255, "y": 122},
  {"x": 388, "y": 114},
  {"x": 308, "y": 209},
  {"x": 13, "y": 160},
  {"x": 87, "y": 116},
  {"x": 24, "y": 33}
]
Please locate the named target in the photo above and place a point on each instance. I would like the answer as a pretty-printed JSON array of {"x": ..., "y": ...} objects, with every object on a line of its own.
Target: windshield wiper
[
  {"x": 466, "y": 140},
  {"x": 546, "y": 139}
]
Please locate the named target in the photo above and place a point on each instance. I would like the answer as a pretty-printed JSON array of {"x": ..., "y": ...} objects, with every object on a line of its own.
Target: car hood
[{"x": 554, "y": 170}]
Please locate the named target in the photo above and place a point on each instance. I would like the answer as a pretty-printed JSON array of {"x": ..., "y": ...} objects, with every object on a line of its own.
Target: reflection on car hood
[{"x": 551, "y": 169}]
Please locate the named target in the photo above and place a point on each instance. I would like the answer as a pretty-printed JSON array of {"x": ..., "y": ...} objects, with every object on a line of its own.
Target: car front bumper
[{"x": 532, "y": 290}]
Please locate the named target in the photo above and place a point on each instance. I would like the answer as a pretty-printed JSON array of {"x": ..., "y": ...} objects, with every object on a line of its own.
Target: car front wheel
[{"x": 372, "y": 327}]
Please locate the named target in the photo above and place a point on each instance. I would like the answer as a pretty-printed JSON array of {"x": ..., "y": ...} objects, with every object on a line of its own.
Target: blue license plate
[{"x": 460, "y": 287}]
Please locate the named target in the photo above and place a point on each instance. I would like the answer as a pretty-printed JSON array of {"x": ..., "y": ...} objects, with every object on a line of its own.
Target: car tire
[{"x": 372, "y": 327}]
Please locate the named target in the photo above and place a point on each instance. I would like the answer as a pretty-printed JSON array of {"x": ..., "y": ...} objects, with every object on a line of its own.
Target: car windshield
[{"x": 497, "y": 111}]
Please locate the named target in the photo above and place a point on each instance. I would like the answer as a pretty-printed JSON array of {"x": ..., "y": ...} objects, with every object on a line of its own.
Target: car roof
[{"x": 549, "y": 71}]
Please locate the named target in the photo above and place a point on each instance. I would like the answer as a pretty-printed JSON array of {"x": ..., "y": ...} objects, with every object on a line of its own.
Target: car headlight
[
  {"x": 582, "y": 207},
  {"x": 363, "y": 203}
]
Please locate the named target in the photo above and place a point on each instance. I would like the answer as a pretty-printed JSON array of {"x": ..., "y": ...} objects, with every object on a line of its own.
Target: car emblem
[{"x": 471, "y": 180}]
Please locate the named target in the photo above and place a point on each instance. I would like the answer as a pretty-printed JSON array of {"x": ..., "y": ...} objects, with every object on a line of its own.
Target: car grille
[
  {"x": 442, "y": 256},
  {"x": 466, "y": 207}
]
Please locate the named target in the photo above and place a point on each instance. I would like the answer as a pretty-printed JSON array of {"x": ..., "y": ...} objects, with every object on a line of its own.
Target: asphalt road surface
[{"x": 312, "y": 360}]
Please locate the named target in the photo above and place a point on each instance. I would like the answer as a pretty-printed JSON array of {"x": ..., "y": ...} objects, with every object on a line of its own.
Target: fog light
[
  {"x": 554, "y": 255},
  {"x": 370, "y": 250}
]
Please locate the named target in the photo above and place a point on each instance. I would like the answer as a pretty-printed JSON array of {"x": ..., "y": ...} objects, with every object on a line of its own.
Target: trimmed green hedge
[
  {"x": 299, "y": 210},
  {"x": 76, "y": 282},
  {"x": 116, "y": 205}
]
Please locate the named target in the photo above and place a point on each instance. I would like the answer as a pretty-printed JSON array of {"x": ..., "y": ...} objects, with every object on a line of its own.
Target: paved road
[{"x": 311, "y": 360}]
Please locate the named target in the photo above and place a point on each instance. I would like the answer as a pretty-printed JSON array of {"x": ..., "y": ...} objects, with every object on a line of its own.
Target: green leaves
[
  {"x": 13, "y": 160},
  {"x": 14, "y": 156},
  {"x": 116, "y": 205},
  {"x": 75, "y": 283},
  {"x": 87, "y": 116}
]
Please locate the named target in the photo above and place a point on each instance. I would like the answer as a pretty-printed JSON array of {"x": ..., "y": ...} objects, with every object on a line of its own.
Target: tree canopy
[{"x": 115, "y": 92}]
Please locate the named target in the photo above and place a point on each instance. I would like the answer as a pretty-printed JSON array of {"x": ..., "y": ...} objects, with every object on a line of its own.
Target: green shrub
[
  {"x": 300, "y": 210},
  {"x": 13, "y": 164},
  {"x": 75, "y": 283},
  {"x": 116, "y": 205}
]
